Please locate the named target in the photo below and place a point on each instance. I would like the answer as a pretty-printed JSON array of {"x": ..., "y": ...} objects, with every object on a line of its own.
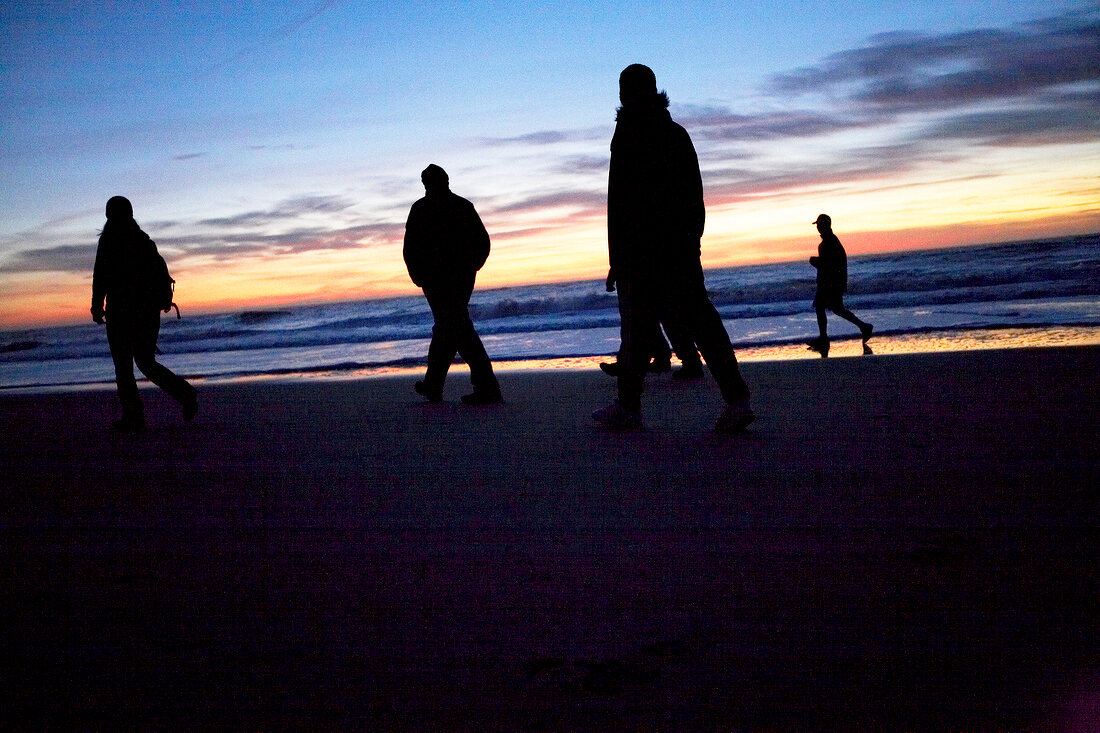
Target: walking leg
[
  {"x": 120, "y": 338},
  {"x": 160, "y": 375}
]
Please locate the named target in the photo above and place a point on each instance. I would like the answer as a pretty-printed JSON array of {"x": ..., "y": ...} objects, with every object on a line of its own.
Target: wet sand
[{"x": 898, "y": 543}]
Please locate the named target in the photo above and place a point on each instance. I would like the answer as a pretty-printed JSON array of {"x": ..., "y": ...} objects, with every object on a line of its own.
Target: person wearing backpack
[{"x": 130, "y": 286}]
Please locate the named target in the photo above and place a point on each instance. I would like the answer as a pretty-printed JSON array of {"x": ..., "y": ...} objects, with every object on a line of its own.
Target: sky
[{"x": 273, "y": 149}]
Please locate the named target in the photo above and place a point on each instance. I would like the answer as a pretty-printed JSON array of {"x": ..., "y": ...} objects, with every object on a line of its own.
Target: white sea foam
[{"x": 1037, "y": 284}]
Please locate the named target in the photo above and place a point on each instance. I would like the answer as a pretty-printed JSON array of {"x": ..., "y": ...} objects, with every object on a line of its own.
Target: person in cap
[
  {"x": 832, "y": 283},
  {"x": 445, "y": 246},
  {"x": 655, "y": 218},
  {"x": 125, "y": 261}
]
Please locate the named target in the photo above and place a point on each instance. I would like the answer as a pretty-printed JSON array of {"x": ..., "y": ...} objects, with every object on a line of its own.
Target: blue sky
[{"x": 273, "y": 149}]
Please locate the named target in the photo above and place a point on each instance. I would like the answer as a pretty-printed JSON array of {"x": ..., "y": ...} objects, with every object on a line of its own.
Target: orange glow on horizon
[{"x": 570, "y": 253}]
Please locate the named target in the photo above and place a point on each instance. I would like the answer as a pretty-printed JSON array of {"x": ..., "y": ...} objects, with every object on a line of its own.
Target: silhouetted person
[
  {"x": 655, "y": 217},
  {"x": 125, "y": 263},
  {"x": 832, "y": 283},
  {"x": 445, "y": 245},
  {"x": 659, "y": 350}
]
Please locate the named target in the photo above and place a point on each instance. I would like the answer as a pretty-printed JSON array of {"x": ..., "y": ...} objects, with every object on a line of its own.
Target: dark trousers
[
  {"x": 681, "y": 344},
  {"x": 661, "y": 351},
  {"x": 658, "y": 346},
  {"x": 674, "y": 293},
  {"x": 453, "y": 333},
  {"x": 832, "y": 299},
  {"x": 132, "y": 337}
]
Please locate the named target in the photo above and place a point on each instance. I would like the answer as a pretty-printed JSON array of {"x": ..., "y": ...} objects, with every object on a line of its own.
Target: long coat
[{"x": 655, "y": 209}]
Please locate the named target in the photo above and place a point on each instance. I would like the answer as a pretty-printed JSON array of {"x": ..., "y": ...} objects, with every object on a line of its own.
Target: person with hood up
[
  {"x": 445, "y": 246},
  {"x": 125, "y": 261},
  {"x": 655, "y": 218}
]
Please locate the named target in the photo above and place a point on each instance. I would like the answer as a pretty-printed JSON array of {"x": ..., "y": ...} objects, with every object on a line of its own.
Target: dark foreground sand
[{"x": 899, "y": 543}]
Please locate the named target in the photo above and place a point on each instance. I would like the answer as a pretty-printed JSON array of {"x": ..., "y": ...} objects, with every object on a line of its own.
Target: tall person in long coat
[{"x": 655, "y": 218}]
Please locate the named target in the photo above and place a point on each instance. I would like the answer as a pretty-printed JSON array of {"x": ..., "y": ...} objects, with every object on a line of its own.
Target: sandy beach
[{"x": 898, "y": 543}]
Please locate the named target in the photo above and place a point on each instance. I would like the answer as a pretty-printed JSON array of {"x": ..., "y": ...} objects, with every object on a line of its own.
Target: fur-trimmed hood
[{"x": 657, "y": 102}]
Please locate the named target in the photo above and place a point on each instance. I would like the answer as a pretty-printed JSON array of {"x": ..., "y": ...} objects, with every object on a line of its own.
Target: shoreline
[
  {"x": 846, "y": 346},
  {"x": 903, "y": 543}
]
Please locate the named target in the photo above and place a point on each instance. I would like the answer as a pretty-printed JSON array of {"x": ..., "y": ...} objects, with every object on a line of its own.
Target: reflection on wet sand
[
  {"x": 913, "y": 343},
  {"x": 886, "y": 344}
]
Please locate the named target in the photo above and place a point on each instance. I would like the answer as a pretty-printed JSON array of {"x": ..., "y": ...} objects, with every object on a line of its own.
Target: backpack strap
[{"x": 172, "y": 285}]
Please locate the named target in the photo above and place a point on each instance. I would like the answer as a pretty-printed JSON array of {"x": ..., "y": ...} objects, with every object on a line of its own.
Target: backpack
[{"x": 158, "y": 285}]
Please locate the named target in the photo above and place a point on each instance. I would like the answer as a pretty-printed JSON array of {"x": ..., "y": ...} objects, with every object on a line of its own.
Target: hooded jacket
[
  {"x": 655, "y": 209},
  {"x": 122, "y": 264},
  {"x": 444, "y": 238}
]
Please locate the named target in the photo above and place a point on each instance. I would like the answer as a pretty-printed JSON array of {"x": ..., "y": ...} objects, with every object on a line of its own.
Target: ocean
[{"x": 1018, "y": 293}]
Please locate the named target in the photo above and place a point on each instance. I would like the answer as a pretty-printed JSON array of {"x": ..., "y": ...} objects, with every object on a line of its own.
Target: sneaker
[
  {"x": 735, "y": 418},
  {"x": 615, "y": 417},
  {"x": 866, "y": 332},
  {"x": 820, "y": 345},
  {"x": 689, "y": 372},
  {"x": 610, "y": 368},
  {"x": 483, "y": 397},
  {"x": 434, "y": 396},
  {"x": 128, "y": 425}
]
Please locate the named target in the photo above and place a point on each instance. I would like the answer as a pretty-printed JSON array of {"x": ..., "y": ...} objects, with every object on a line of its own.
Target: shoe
[
  {"x": 866, "y": 332},
  {"x": 614, "y": 368},
  {"x": 735, "y": 418},
  {"x": 483, "y": 397},
  {"x": 128, "y": 425},
  {"x": 434, "y": 396},
  {"x": 686, "y": 372},
  {"x": 190, "y": 406},
  {"x": 820, "y": 345},
  {"x": 660, "y": 366},
  {"x": 615, "y": 417}
]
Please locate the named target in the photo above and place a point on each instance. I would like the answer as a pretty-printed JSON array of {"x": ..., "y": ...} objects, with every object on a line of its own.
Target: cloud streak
[
  {"x": 722, "y": 125},
  {"x": 288, "y": 210},
  {"x": 577, "y": 201},
  {"x": 295, "y": 241},
  {"x": 222, "y": 247},
  {"x": 1070, "y": 118},
  {"x": 62, "y": 258},
  {"x": 930, "y": 98},
  {"x": 545, "y": 138},
  {"x": 906, "y": 72}
]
